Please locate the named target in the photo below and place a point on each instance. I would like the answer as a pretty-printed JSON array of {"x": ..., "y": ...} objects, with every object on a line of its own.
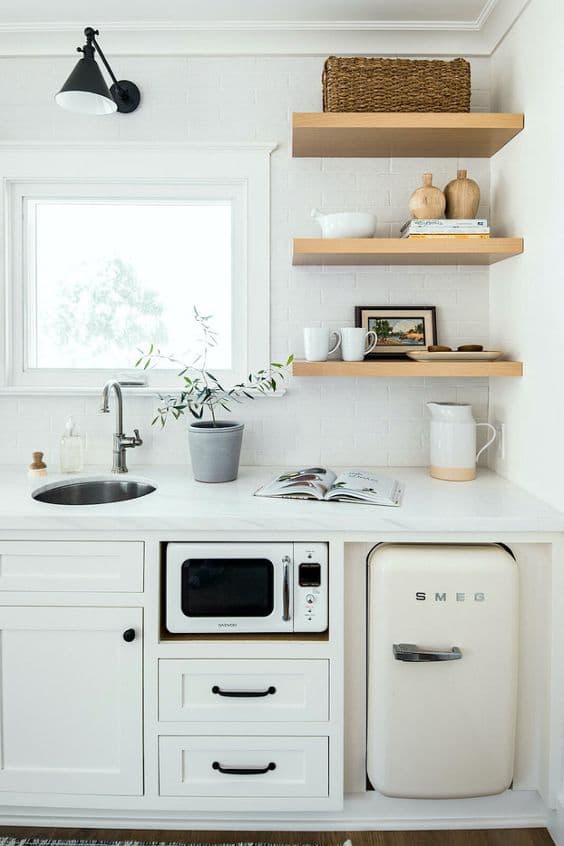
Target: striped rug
[{"x": 44, "y": 841}]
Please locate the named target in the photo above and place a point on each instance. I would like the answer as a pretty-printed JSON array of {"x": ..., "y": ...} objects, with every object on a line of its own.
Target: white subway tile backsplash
[
  {"x": 333, "y": 421},
  {"x": 418, "y": 166},
  {"x": 408, "y": 457}
]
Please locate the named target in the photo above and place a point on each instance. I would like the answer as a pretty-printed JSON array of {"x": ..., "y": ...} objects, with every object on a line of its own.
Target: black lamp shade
[{"x": 85, "y": 91}]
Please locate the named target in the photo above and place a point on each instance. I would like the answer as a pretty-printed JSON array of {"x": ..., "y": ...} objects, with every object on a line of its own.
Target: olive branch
[{"x": 201, "y": 391}]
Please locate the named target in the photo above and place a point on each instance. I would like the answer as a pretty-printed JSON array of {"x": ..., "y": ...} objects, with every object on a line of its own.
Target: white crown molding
[
  {"x": 251, "y": 26},
  {"x": 485, "y": 13},
  {"x": 283, "y": 37}
]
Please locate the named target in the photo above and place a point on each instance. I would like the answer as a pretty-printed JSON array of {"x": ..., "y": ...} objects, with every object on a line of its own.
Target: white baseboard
[{"x": 361, "y": 812}]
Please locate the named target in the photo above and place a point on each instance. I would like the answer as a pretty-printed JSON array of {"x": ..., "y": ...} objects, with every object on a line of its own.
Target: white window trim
[{"x": 45, "y": 169}]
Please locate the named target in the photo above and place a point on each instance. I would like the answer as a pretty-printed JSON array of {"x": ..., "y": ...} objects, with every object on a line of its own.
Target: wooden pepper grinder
[
  {"x": 462, "y": 197},
  {"x": 427, "y": 202},
  {"x": 37, "y": 466}
]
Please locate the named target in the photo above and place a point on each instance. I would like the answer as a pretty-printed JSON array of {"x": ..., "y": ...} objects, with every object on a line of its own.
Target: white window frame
[{"x": 152, "y": 173}]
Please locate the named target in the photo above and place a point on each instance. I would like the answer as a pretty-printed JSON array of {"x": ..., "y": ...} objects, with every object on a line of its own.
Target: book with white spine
[
  {"x": 441, "y": 225},
  {"x": 445, "y": 221}
]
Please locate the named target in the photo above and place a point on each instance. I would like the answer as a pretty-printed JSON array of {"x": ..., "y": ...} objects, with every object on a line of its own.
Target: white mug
[
  {"x": 356, "y": 343},
  {"x": 317, "y": 343}
]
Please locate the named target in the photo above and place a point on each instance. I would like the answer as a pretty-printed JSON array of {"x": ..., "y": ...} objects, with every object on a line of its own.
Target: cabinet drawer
[
  {"x": 237, "y": 691},
  {"x": 71, "y": 566},
  {"x": 244, "y": 766}
]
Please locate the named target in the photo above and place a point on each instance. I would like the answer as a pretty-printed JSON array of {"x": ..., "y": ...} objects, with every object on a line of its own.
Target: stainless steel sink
[{"x": 92, "y": 491}]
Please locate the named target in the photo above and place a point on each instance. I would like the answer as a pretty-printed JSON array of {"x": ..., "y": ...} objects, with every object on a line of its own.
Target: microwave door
[{"x": 249, "y": 594}]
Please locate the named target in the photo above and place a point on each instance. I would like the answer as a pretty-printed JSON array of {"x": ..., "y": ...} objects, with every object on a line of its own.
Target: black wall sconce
[{"x": 86, "y": 92}]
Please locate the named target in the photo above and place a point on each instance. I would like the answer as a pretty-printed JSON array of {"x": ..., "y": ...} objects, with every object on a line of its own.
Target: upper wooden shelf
[
  {"x": 362, "y": 251},
  {"x": 408, "y": 368},
  {"x": 403, "y": 134}
]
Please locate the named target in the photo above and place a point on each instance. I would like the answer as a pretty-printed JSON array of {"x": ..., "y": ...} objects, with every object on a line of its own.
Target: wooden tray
[{"x": 425, "y": 355}]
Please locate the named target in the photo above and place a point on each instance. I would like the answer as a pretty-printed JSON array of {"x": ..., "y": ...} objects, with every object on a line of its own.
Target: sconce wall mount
[{"x": 86, "y": 92}]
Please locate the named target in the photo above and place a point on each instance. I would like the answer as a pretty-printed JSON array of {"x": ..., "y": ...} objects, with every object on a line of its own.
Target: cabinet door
[{"x": 71, "y": 693}]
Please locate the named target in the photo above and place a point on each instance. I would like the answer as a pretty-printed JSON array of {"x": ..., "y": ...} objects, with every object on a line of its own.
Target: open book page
[
  {"x": 364, "y": 486},
  {"x": 309, "y": 483}
]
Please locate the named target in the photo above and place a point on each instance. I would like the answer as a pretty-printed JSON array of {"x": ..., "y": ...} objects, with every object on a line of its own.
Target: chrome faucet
[{"x": 121, "y": 441}]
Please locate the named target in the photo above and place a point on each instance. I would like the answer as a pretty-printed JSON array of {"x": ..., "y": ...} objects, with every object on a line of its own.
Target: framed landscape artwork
[{"x": 399, "y": 328}]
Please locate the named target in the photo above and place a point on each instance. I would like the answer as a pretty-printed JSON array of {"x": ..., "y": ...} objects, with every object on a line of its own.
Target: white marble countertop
[{"x": 488, "y": 504}]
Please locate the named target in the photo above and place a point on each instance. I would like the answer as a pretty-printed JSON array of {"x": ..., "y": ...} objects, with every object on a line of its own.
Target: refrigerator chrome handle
[
  {"x": 411, "y": 652},
  {"x": 286, "y": 589}
]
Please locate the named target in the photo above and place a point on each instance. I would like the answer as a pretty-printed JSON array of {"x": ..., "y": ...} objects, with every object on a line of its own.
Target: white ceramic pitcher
[{"x": 453, "y": 441}]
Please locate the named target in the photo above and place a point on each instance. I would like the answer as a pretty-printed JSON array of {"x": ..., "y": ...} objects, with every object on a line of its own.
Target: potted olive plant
[{"x": 215, "y": 444}]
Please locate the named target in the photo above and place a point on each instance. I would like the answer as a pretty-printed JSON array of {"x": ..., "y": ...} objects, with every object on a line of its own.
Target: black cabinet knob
[{"x": 129, "y": 635}]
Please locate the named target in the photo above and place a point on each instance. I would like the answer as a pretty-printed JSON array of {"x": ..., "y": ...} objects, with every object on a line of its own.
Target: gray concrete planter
[{"x": 215, "y": 450}]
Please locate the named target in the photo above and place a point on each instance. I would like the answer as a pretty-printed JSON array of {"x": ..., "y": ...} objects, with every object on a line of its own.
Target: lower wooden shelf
[{"x": 405, "y": 368}]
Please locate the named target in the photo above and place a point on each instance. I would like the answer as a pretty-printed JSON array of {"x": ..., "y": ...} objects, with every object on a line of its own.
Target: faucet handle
[{"x": 126, "y": 441}]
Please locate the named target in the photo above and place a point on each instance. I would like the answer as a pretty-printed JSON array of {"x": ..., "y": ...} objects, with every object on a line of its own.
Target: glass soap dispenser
[{"x": 72, "y": 448}]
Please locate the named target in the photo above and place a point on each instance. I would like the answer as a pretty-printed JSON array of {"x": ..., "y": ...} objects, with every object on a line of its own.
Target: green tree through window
[{"x": 106, "y": 306}]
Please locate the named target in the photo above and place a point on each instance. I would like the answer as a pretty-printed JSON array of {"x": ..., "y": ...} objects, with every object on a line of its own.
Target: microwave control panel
[{"x": 311, "y": 589}]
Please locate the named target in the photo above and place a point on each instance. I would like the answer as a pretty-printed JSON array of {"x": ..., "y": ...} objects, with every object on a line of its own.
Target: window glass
[{"x": 110, "y": 277}]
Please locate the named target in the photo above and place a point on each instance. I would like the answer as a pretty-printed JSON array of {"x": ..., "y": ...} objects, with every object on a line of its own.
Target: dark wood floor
[{"x": 497, "y": 837}]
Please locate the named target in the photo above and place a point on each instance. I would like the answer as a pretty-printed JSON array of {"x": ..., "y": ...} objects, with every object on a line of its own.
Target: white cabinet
[
  {"x": 97, "y": 566},
  {"x": 243, "y": 691},
  {"x": 244, "y": 766},
  {"x": 71, "y": 693}
]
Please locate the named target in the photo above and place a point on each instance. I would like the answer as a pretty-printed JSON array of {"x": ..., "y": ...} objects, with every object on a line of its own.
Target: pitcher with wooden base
[{"x": 453, "y": 441}]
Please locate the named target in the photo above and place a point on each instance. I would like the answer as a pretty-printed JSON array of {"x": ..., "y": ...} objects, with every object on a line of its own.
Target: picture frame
[{"x": 399, "y": 328}]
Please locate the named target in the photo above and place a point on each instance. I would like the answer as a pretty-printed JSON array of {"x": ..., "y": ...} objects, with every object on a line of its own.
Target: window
[
  {"x": 108, "y": 278},
  {"x": 99, "y": 268}
]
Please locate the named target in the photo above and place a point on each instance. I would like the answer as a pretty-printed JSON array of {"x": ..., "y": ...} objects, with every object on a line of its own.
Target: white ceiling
[{"x": 313, "y": 27}]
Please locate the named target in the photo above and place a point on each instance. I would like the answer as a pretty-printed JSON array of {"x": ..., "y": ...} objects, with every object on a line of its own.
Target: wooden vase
[
  {"x": 428, "y": 202},
  {"x": 462, "y": 197}
]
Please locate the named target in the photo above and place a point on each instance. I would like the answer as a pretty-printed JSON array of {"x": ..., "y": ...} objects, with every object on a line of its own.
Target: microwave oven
[{"x": 246, "y": 587}]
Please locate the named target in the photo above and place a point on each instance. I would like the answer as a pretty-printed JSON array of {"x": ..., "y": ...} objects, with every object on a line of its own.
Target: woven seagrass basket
[{"x": 356, "y": 84}]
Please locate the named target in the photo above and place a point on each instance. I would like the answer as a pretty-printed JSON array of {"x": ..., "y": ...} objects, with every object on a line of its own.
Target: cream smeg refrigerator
[{"x": 442, "y": 669}]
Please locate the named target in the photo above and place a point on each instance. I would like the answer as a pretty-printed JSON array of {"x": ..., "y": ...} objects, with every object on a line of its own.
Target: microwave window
[{"x": 227, "y": 587}]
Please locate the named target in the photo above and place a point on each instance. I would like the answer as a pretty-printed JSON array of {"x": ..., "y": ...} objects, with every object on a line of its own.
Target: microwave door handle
[{"x": 286, "y": 589}]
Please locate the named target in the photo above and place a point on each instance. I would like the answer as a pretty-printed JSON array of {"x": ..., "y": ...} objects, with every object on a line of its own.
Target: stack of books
[{"x": 441, "y": 228}]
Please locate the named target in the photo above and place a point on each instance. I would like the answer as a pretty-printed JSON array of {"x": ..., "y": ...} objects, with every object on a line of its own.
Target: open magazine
[{"x": 348, "y": 486}]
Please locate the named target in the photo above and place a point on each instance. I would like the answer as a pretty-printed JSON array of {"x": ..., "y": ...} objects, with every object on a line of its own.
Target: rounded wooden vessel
[
  {"x": 462, "y": 197},
  {"x": 427, "y": 202}
]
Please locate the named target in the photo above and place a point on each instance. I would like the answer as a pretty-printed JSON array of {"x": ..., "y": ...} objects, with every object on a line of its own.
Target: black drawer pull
[
  {"x": 244, "y": 770},
  {"x": 244, "y": 694}
]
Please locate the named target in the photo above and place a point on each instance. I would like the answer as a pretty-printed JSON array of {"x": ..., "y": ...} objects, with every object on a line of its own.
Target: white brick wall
[{"x": 366, "y": 421}]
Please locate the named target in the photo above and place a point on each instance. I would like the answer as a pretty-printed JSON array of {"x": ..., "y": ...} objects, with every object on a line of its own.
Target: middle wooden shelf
[{"x": 366, "y": 251}]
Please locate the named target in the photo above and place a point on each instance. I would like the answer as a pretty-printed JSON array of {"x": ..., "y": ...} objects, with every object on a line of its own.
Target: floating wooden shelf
[
  {"x": 406, "y": 367},
  {"x": 404, "y": 250},
  {"x": 403, "y": 134}
]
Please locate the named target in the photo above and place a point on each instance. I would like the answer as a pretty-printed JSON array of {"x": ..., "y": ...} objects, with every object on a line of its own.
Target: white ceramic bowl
[{"x": 346, "y": 224}]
